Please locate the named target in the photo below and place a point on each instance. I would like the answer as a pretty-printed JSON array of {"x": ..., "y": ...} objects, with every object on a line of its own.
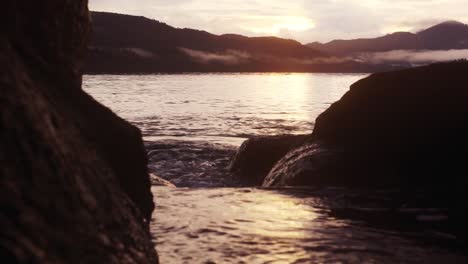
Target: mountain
[
  {"x": 444, "y": 36},
  {"x": 115, "y": 30},
  {"x": 132, "y": 44},
  {"x": 447, "y": 35}
]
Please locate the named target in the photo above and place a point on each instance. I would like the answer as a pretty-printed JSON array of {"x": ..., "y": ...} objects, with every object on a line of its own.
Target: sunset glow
[
  {"x": 234, "y": 131},
  {"x": 305, "y": 21},
  {"x": 277, "y": 25}
]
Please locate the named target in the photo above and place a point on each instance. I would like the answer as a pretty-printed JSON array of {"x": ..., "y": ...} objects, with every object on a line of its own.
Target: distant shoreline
[{"x": 225, "y": 72}]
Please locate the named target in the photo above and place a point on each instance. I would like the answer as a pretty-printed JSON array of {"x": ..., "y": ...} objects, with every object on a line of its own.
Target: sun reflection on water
[
  {"x": 220, "y": 105},
  {"x": 264, "y": 226},
  {"x": 232, "y": 225},
  {"x": 278, "y": 216}
]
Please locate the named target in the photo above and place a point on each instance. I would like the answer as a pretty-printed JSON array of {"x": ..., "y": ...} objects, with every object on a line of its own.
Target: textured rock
[
  {"x": 406, "y": 128},
  {"x": 50, "y": 39},
  {"x": 258, "y": 155},
  {"x": 296, "y": 167},
  {"x": 74, "y": 185}
]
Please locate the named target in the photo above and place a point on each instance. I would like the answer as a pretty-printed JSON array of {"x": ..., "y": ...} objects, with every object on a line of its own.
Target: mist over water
[
  {"x": 415, "y": 57},
  {"x": 403, "y": 57},
  {"x": 192, "y": 125}
]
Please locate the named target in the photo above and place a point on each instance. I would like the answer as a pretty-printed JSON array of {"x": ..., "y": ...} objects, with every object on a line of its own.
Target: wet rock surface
[
  {"x": 75, "y": 187},
  {"x": 257, "y": 156},
  {"x": 311, "y": 159},
  {"x": 404, "y": 128}
]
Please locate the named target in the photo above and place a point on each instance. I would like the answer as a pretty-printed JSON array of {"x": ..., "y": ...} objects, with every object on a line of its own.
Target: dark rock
[
  {"x": 53, "y": 45},
  {"x": 406, "y": 128},
  {"x": 310, "y": 159},
  {"x": 258, "y": 155},
  {"x": 74, "y": 185},
  {"x": 318, "y": 164},
  {"x": 117, "y": 142}
]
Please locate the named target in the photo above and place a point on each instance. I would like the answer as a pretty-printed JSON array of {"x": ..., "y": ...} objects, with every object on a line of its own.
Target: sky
[{"x": 303, "y": 20}]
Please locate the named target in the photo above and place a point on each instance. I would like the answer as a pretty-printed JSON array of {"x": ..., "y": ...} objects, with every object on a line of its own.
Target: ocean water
[
  {"x": 224, "y": 108},
  {"x": 192, "y": 125}
]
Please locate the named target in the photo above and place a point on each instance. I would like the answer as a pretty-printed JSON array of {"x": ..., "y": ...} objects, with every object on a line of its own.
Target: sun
[
  {"x": 274, "y": 25},
  {"x": 294, "y": 24}
]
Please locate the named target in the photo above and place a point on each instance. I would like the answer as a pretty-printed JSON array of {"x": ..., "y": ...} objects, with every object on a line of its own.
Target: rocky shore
[
  {"x": 404, "y": 129},
  {"x": 258, "y": 155},
  {"x": 398, "y": 128},
  {"x": 74, "y": 180},
  {"x": 75, "y": 187}
]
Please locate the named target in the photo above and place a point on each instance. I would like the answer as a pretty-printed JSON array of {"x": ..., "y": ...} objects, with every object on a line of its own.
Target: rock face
[
  {"x": 406, "y": 128},
  {"x": 258, "y": 155},
  {"x": 73, "y": 175},
  {"x": 310, "y": 159}
]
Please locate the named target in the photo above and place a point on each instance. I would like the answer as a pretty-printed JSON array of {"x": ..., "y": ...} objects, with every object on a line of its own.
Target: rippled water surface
[
  {"x": 272, "y": 226},
  {"x": 220, "y": 107},
  {"x": 192, "y": 125}
]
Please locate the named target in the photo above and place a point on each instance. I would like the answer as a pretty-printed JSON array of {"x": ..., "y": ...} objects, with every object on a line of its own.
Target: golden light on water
[
  {"x": 289, "y": 216},
  {"x": 251, "y": 226},
  {"x": 229, "y": 105},
  {"x": 294, "y": 87}
]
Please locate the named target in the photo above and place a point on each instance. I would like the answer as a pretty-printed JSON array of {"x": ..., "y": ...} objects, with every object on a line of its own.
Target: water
[
  {"x": 224, "y": 108},
  {"x": 241, "y": 225},
  {"x": 192, "y": 125}
]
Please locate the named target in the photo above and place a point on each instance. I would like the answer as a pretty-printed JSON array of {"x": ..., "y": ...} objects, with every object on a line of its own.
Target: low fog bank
[
  {"x": 412, "y": 57},
  {"x": 229, "y": 57}
]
